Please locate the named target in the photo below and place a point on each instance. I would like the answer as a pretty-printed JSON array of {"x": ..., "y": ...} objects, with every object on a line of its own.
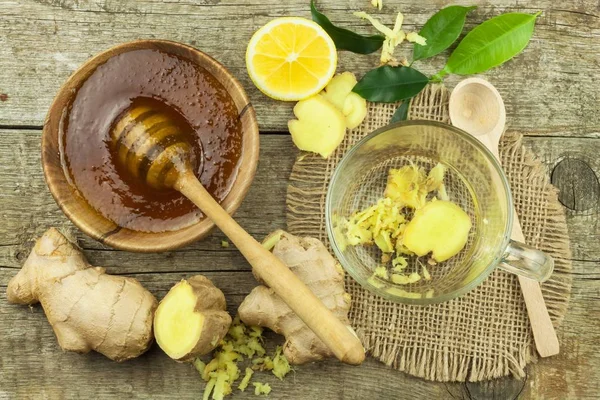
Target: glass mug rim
[{"x": 500, "y": 251}]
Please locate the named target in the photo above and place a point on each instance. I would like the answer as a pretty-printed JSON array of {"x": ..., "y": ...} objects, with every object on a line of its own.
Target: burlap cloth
[{"x": 484, "y": 334}]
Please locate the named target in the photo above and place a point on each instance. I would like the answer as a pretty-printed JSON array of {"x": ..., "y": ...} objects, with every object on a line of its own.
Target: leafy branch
[{"x": 486, "y": 46}]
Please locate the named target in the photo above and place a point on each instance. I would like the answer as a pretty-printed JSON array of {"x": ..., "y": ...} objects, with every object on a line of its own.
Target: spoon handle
[
  {"x": 338, "y": 337},
  {"x": 544, "y": 335},
  {"x": 464, "y": 114}
]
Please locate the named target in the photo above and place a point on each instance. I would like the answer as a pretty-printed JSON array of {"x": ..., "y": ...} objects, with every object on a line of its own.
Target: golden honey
[{"x": 171, "y": 85}]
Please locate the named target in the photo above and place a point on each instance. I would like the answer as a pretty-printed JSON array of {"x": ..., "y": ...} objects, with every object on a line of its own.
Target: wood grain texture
[
  {"x": 550, "y": 89},
  {"x": 584, "y": 227},
  {"x": 29, "y": 352},
  {"x": 581, "y": 190}
]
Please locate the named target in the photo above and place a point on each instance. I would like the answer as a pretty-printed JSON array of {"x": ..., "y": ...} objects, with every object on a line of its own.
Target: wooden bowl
[{"x": 90, "y": 221}]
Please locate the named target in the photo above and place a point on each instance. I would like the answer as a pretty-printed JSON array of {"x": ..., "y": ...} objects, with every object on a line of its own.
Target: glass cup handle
[{"x": 526, "y": 261}]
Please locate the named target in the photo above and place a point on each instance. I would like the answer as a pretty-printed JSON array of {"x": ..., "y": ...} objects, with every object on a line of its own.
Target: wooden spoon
[
  {"x": 477, "y": 108},
  {"x": 155, "y": 148}
]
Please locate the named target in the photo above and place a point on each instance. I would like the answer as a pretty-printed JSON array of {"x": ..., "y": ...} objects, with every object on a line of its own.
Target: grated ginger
[
  {"x": 407, "y": 186},
  {"x": 377, "y": 3},
  {"x": 378, "y": 224},
  {"x": 281, "y": 365},
  {"x": 384, "y": 223},
  {"x": 409, "y": 190},
  {"x": 246, "y": 380},
  {"x": 261, "y": 388},
  {"x": 401, "y": 279},
  {"x": 222, "y": 371}
]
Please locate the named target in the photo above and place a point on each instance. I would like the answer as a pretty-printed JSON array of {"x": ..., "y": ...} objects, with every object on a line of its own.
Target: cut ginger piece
[
  {"x": 338, "y": 88},
  {"x": 339, "y": 93},
  {"x": 355, "y": 110},
  {"x": 320, "y": 126},
  {"x": 191, "y": 319},
  {"x": 440, "y": 227}
]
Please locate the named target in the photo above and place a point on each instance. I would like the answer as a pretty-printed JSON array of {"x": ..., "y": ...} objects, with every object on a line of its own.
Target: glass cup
[{"x": 474, "y": 180}]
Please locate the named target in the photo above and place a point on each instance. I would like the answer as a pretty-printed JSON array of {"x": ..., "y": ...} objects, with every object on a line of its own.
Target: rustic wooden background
[{"x": 552, "y": 93}]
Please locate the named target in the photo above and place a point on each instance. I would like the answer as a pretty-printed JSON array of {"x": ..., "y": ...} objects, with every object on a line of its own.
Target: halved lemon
[{"x": 291, "y": 58}]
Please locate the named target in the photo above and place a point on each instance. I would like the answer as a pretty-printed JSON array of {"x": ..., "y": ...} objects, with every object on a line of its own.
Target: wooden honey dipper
[{"x": 154, "y": 148}]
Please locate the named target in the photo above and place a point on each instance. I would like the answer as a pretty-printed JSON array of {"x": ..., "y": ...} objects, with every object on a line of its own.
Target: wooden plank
[
  {"x": 550, "y": 89},
  {"x": 574, "y": 168}
]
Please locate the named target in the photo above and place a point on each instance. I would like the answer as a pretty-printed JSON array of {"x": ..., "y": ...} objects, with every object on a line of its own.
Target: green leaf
[
  {"x": 345, "y": 39},
  {"x": 388, "y": 84},
  {"x": 490, "y": 44},
  {"x": 402, "y": 112},
  {"x": 441, "y": 30}
]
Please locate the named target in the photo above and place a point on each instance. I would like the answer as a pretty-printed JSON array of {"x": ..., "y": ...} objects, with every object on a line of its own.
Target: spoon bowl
[{"x": 477, "y": 108}]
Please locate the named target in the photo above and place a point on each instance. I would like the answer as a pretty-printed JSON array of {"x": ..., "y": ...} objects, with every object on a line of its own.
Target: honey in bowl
[{"x": 171, "y": 85}]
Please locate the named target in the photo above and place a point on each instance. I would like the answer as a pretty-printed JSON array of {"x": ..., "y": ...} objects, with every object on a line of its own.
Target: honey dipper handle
[{"x": 338, "y": 337}]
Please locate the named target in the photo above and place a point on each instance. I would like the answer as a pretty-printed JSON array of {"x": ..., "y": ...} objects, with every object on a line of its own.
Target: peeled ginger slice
[
  {"x": 319, "y": 127},
  {"x": 180, "y": 326},
  {"x": 355, "y": 110},
  {"x": 440, "y": 227}
]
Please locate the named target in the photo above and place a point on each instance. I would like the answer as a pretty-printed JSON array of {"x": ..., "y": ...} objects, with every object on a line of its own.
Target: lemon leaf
[
  {"x": 388, "y": 84},
  {"x": 345, "y": 39},
  {"x": 490, "y": 44},
  {"x": 401, "y": 112},
  {"x": 441, "y": 30}
]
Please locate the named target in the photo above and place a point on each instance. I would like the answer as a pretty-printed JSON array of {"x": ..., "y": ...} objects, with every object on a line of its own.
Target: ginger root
[
  {"x": 319, "y": 127},
  {"x": 440, "y": 227},
  {"x": 87, "y": 308},
  {"x": 309, "y": 259},
  {"x": 191, "y": 319}
]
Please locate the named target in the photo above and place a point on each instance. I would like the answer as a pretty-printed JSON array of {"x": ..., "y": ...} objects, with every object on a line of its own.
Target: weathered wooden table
[{"x": 552, "y": 93}]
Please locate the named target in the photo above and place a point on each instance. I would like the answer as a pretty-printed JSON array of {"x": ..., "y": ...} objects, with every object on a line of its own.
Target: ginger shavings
[
  {"x": 377, "y": 3},
  {"x": 223, "y": 370},
  {"x": 393, "y": 37}
]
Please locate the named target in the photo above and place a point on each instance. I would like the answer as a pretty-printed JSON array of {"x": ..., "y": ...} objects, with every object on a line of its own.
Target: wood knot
[
  {"x": 578, "y": 184},
  {"x": 20, "y": 256}
]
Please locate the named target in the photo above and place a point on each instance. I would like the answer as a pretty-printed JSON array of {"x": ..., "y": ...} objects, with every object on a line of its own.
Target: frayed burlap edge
[{"x": 427, "y": 358}]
